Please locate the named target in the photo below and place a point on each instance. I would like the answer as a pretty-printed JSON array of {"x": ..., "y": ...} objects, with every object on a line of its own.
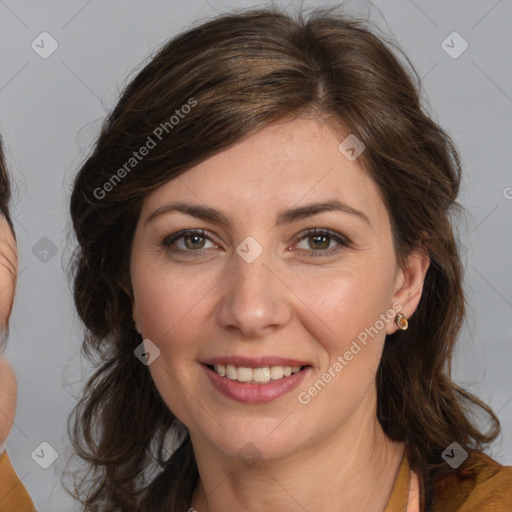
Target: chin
[{"x": 250, "y": 439}]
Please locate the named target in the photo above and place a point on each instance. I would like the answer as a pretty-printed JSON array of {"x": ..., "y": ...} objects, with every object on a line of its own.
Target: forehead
[{"x": 284, "y": 164}]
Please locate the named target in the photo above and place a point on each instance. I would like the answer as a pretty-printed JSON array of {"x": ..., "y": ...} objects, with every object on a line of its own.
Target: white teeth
[
  {"x": 231, "y": 372},
  {"x": 244, "y": 374},
  {"x": 261, "y": 374},
  {"x": 276, "y": 372},
  {"x": 256, "y": 375}
]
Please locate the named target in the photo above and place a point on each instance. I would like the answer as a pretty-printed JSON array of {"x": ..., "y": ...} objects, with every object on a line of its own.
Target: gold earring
[{"x": 401, "y": 321}]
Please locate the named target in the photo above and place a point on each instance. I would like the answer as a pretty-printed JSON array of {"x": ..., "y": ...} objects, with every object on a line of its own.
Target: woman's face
[
  {"x": 256, "y": 289},
  {"x": 8, "y": 271}
]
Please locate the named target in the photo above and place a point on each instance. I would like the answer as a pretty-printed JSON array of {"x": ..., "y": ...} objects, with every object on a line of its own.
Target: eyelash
[{"x": 343, "y": 241}]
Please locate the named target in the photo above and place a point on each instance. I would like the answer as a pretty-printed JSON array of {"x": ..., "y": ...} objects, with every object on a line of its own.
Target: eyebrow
[{"x": 207, "y": 213}]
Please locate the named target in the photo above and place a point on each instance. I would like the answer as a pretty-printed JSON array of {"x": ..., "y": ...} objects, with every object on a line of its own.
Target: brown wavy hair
[
  {"x": 5, "y": 186},
  {"x": 242, "y": 72}
]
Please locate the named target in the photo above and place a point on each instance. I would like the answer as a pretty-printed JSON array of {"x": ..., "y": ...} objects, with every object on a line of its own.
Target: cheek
[
  {"x": 168, "y": 312},
  {"x": 346, "y": 303},
  {"x": 6, "y": 296},
  {"x": 172, "y": 309},
  {"x": 345, "y": 317},
  {"x": 8, "y": 272}
]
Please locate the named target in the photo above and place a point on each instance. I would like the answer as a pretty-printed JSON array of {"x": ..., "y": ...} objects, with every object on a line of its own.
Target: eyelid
[{"x": 323, "y": 231}]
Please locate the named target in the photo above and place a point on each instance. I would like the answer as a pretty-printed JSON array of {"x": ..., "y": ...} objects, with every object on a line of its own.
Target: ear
[{"x": 409, "y": 284}]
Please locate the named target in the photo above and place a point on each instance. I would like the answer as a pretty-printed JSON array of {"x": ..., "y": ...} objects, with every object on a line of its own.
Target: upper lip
[{"x": 255, "y": 362}]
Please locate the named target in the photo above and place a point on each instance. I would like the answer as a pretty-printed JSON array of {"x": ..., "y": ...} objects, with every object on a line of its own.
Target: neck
[{"x": 354, "y": 468}]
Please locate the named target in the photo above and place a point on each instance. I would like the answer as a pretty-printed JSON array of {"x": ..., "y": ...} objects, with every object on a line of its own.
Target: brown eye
[
  {"x": 188, "y": 241},
  {"x": 194, "y": 241},
  {"x": 321, "y": 242}
]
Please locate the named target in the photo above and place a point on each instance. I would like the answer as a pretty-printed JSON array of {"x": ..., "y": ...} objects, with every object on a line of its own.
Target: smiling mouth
[{"x": 263, "y": 375}]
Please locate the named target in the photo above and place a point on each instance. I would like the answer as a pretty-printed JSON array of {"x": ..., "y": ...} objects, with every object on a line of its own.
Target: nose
[{"x": 254, "y": 299}]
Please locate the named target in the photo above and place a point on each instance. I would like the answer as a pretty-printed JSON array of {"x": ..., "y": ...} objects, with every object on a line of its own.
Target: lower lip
[{"x": 255, "y": 393}]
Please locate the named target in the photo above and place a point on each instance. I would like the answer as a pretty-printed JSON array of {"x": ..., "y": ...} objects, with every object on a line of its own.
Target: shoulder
[
  {"x": 480, "y": 483},
  {"x": 13, "y": 495}
]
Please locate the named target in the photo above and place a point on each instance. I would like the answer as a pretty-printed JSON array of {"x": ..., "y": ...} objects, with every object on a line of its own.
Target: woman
[
  {"x": 13, "y": 495},
  {"x": 270, "y": 284}
]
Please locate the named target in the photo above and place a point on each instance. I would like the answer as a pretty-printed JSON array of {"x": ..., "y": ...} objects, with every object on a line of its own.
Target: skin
[
  {"x": 330, "y": 454},
  {"x": 8, "y": 271}
]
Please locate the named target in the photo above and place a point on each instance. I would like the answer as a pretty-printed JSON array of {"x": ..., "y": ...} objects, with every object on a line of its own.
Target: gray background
[{"x": 50, "y": 111}]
